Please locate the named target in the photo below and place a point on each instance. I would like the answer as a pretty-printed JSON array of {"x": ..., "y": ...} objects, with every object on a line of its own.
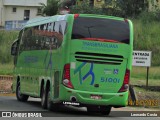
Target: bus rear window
[{"x": 100, "y": 28}]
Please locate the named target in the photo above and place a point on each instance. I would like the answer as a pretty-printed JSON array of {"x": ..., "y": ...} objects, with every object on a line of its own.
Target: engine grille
[{"x": 99, "y": 58}]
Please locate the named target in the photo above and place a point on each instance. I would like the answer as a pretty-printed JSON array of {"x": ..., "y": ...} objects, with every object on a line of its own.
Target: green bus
[{"x": 74, "y": 59}]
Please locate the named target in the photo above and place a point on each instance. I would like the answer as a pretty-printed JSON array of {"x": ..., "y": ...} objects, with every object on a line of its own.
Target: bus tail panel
[{"x": 103, "y": 71}]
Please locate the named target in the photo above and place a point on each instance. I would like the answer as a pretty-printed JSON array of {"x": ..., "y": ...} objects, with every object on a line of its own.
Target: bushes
[
  {"x": 85, "y": 8},
  {"x": 120, "y": 8},
  {"x": 6, "y": 40},
  {"x": 147, "y": 37}
]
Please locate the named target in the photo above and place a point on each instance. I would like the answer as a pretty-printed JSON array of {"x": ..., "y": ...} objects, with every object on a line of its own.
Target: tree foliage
[
  {"x": 122, "y": 8},
  {"x": 51, "y": 8},
  {"x": 132, "y": 7},
  {"x": 85, "y": 8}
]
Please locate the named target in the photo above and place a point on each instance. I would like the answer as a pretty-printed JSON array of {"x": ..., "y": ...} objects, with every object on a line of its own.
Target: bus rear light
[
  {"x": 66, "y": 76},
  {"x": 125, "y": 85},
  {"x": 76, "y": 16}
]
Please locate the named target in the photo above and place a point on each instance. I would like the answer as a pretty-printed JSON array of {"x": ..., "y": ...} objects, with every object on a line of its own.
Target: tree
[
  {"x": 85, "y": 8},
  {"x": 51, "y": 8},
  {"x": 132, "y": 8},
  {"x": 125, "y": 8}
]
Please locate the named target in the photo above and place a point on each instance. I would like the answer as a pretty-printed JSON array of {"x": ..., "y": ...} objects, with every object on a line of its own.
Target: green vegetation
[
  {"x": 6, "y": 40},
  {"x": 147, "y": 38},
  {"x": 126, "y": 8},
  {"x": 142, "y": 81},
  {"x": 141, "y": 72},
  {"x": 6, "y": 69},
  {"x": 50, "y": 9}
]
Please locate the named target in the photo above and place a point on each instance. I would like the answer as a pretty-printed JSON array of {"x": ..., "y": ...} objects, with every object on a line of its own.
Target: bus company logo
[
  {"x": 30, "y": 59},
  {"x": 88, "y": 74},
  {"x": 115, "y": 71},
  {"x": 100, "y": 45}
]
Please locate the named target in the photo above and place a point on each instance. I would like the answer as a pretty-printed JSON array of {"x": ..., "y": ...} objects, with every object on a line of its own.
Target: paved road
[{"x": 11, "y": 104}]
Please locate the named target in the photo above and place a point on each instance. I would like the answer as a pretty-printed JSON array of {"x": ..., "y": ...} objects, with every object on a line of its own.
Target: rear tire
[
  {"x": 20, "y": 97},
  {"x": 105, "y": 110},
  {"x": 43, "y": 98},
  {"x": 50, "y": 105},
  {"x": 49, "y": 102},
  {"x": 92, "y": 109}
]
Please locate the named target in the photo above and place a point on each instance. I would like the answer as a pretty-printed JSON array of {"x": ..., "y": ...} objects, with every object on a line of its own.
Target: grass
[
  {"x": 6, "y": 69},
  {"x": 141, "y": 72},
  {"x": 151, "y": 82},
  {"x": 139, "y": 76},
  {"x": 151, "y": 99},
  {"x": 146, "y": 37},
  {"x": 6, "y": 40}
]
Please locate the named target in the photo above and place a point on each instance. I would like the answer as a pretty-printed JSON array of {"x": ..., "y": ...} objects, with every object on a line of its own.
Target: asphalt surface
[{"x": 10, "y": 103}]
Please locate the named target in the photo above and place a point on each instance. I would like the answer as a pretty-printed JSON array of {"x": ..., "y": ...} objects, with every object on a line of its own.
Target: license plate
[{"x": 96, "y": 97}]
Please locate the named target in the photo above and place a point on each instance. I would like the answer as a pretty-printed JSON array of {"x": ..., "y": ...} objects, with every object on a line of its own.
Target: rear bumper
[{"x": 83, "y": 97}]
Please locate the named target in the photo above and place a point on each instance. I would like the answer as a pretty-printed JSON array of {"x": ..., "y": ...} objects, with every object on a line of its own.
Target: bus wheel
[
  {"x": 50, "y": 105},
  {"x": 43, "y": 98},
  {"x": 92, "y": 109},
  {"x": 20, "y": 97},
  {"x": 49, "y": 102},
  {"x": 105, "y": 110}
]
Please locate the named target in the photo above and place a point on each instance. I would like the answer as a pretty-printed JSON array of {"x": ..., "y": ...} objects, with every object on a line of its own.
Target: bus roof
[
  {"x": 44, "y": 20},
  {"x": 101, "y": 16}
]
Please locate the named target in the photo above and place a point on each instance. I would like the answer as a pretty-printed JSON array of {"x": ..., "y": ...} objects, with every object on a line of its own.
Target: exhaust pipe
[{"x": 73, "y": 98}]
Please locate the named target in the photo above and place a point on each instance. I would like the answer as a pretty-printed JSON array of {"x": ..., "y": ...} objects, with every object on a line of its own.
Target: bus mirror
[{"x": 14, "y": 48}]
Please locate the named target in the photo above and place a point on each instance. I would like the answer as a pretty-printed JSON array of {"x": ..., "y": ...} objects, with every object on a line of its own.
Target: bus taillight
[
  {"x": 66, "y": 76},
  {"x": 125, "y": 85}
]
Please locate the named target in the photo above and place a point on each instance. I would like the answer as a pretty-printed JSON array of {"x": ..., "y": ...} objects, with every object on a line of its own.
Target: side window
[
  {"x": 20, "y": 34},
  {"x": 50, "y": 35},
  {"x": 63, "y": 27},
  {"x": 43, "y": 37},
  {"x": 60, "y": 29},
  {"x": 19, "y": 37},
  {"x": 26, "y": 39},
  {"x": 56, "y": 27}
]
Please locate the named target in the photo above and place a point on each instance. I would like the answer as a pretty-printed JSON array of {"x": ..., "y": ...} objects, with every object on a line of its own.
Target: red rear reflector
[
  {"x": 126, "y": 77},
  {"x": 125, "y": 85},
  {"x": 76, "y": 15},
  {"x": 66, "y": 76}
]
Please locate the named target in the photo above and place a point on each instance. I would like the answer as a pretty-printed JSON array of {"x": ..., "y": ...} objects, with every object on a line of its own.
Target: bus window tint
[
  {"x": 108, "y": 29},
  {"x": 43, "y": 37}
]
